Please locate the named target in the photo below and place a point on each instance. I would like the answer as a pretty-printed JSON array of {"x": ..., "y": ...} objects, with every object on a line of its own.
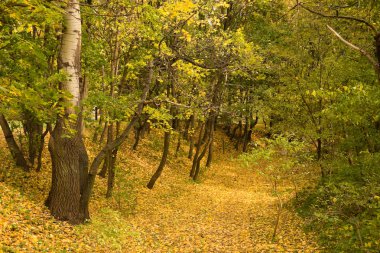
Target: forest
[{"x": 190, "y": 126}]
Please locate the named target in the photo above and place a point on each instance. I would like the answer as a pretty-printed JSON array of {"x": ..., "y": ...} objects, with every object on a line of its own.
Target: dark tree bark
[
  {"x": 105, "y": 130},
  {"x": 191, "y": 137},
  {"x": 139, "y": 133},
  {"x": 99, "y": 127},
  {"x": 187, "y": 127},
  {"x": 246, "y": 137},
  {"x": 211, "y": 146},
  {"x": 112, "y": 166},
  {"x": 111, "y": 173},
  {"x": 161, "y": 166},
  {"x": 103, "y": 171},
  {"x": 197, "y": 150},
  {"x": 235, "y": 129},
  {"x": 15, "y": 150},
  {"x": 69, "y": 175},
  {"x": 41, "y": 147},
  {"x": 200, "y": 157},
  {"x": 178, "y": 144},
  {"x": 174, "y": 123},
  {"x": 33, "y": 130},
  {"x": 108, "y": 159},
  {"x": 238, "y": 136}
]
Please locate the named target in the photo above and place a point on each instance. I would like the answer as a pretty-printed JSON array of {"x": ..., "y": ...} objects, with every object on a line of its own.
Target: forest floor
[{"x": 231, "y": 209}]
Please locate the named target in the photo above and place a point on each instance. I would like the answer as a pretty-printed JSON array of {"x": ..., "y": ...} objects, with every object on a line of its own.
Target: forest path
[{"x": 232, "y": 209}]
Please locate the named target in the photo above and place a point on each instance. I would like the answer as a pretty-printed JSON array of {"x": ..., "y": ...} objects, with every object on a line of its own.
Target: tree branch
[
  {"x": 372, "y": 27},
  {"x": 362, "y": 51}
]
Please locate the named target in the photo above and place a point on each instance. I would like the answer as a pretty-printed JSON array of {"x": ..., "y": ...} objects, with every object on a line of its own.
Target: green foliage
[
  {"x": 159, "y": 117},
  {"x": 280, "y": 159},
  {"x": 345, "y": 208}
]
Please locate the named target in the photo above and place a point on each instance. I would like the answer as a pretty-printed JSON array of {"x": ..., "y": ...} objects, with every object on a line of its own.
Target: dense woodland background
[{"x": 289, "y": 90}]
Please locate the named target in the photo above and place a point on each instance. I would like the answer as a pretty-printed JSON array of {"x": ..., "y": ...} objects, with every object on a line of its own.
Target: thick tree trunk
[
  {"x": 69, "y": 176},
  {"x": 67, "y": 150},
  {"x": 15, "y": 150}
]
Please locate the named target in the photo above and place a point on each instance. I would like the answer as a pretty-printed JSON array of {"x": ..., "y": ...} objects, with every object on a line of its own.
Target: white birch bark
[{"x": 70, "y": 53}]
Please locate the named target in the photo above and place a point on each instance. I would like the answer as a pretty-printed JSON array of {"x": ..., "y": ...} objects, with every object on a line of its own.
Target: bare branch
[
  {"x": 372, "y": 27},
  {"x": 362, "y": 51}
]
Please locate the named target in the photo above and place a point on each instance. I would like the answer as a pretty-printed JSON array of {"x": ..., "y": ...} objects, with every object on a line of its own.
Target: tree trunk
[
  {"x": 191, "y": 137},
  {"x": 246, "y": 133},
  {"x": 210, "y": 149},
  {"x": 103, "y": 135},
  {"x": 235, "y": 129},
  {"x": 178, "y": 144},
  {"x": 161, "y": 166},
  {"x": 197, "y": 151},
  {"x": 66, "y": 146},
  {"x": 108, "y": 158},
  {"x": 33, "y": 129},
  {"x": 15, "y": 150},
  {"x": 199, "y": 159},
  {"x": 112, "y": 167},
  {"x": 41, "y": 147},
  {"x": 69, "y": 175},
  {"x": 97, "y": 129},
  {"x": 138, "y": 134},
  {"x": 111, "y": 173},
  {"x": 174, "y": 124},
  {"x": 377, "y": 51}
]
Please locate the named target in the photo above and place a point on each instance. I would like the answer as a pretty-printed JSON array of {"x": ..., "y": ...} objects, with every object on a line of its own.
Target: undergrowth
[{"x": 345, "y": 207}]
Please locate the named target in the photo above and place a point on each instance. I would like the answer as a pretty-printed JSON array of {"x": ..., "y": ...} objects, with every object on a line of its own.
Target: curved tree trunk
[{"x": 164, "y": 157}]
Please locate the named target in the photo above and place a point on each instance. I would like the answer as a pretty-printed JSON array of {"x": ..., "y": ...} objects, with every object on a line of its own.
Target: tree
[{"x": 66, "y": 146}]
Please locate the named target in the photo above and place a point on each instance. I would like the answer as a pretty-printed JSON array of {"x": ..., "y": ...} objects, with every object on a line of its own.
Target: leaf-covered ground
[{"x": 231, "y": 209}]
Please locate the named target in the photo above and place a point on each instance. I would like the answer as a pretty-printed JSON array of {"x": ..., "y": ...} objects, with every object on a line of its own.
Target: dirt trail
[{"x": 231, "y": 210}]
